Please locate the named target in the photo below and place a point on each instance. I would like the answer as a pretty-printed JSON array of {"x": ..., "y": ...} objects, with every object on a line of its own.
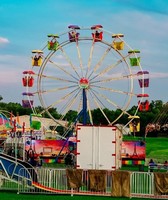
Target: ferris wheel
[{"x": 84, "y": 69}]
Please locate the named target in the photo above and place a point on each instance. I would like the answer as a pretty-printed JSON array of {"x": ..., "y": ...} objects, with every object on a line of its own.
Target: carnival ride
[
  {"x": 17, "y": 170},
  {"x": 84, "y": 69},
  {"x": 12, "y": 168},
  {"x": 159, "y": 124},
  {"x": 6, "y": 122}
]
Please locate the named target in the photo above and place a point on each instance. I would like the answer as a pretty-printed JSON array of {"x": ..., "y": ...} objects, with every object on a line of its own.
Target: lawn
[
  {"x": 14, "y": 196},
  {"x": 156, "y": 147}
]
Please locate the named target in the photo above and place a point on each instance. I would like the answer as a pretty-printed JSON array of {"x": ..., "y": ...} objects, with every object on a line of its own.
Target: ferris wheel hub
[{"x": 83, "y": 83}]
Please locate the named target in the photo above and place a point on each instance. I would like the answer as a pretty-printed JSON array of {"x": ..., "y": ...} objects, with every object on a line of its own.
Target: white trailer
[{"x": 98, "y": 147}]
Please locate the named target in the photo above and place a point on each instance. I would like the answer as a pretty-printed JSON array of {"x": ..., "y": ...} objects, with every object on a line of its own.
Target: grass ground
[
  {"x": 156, "y": 147},
  {"x": 14, "y": 196}
]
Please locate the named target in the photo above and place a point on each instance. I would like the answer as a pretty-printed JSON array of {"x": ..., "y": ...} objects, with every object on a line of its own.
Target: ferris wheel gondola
[
  {"x": 73, "y": 34},
  {"x": 118, "y": 43},
  {"x": 28, "y": 79},
  {"x": 37, "y": 57},
  {"x": 144, "y": 104},
  {"x": 143, "y": 80}
]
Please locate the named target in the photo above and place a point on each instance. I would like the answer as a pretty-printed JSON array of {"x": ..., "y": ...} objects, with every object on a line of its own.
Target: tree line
[{"x": 154, "y": 113}]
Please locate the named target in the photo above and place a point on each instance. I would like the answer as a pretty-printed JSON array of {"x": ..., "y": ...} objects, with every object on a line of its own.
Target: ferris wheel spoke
[
  {"x": 70, "y": 102},
  {"x": 100, "y": 61},
  {"x": 58, "y": 101},
  {"x": 80, "y": 58},
  {"x": 56, "y": 78},
  {"x": 55, "y": 89},
  {"x": 115, "y": 91},
  {"x": 98, "y": 105},
  {"x": 66, "y": 108},
  {"x": 79, "y": 108},
  {"x": 103, "y": 72},
  {"x": 90, "y": 58},
  {"x": 99, "y": 96},
  {"x": 89, "y": 110},
  {"x": 115, "y": 78},
  {"x": 69, "y": 61},
  {"x": 63, "y": 69}
]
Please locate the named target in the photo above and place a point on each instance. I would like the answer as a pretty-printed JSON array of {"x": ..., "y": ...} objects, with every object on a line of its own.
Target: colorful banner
[
  {"x": 48, "y": 150},
  {"x": 133, "y": 152}
]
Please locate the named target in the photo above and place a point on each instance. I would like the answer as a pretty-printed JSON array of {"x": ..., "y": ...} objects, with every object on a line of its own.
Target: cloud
[
  {"x": 11, "y": 68},
  {"x": 158, "y": 75},
  {"x": 3, "y": 40},
  {"x": 9, "y": 77}
]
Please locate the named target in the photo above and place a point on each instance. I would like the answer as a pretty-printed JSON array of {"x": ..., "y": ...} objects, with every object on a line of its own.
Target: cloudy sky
[{"x": 24, "y": 25}]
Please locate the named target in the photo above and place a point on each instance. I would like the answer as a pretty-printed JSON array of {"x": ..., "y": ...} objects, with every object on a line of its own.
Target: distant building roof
[{"x": 45, "y": 122}]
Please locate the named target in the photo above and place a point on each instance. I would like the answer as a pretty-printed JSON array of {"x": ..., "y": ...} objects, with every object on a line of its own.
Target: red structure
[
  {"x": 97, "y": 36},
  {"x": 28, "y": 79},
  {"x": 143, "y": 105}
]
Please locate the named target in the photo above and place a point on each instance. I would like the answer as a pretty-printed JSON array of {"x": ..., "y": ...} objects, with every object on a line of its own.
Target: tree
[
  {"x": 156, "y": 109},
  {"x": 71, "y": 115}
]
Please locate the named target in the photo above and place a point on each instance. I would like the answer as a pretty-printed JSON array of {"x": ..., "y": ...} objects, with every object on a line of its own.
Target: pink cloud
[{"x": 3, "y": 40}]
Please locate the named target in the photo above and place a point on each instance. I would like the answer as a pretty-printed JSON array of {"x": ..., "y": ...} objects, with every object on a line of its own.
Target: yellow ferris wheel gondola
[
  {"x": 37, "y": 58},
  {"x": 134, "y": 124},
  {"x": 118, "y": 44}
]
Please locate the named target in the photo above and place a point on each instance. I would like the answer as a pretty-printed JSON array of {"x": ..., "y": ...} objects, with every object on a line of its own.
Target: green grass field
[
  {"x": 156, "y": 148},
  {"x": 14, "y": 196}
]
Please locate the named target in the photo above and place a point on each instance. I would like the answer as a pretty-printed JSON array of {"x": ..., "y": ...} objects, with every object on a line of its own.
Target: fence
[
  {"x": 56, "y": 181},
  {"x": 142, "y": 184}
]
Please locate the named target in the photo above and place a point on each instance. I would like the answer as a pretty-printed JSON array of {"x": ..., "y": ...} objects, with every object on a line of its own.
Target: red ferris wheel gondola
[
  {"x": 97, "y": 36},
  {"x": 143, "y": 105},
  {"x": 28, "y": 79}
]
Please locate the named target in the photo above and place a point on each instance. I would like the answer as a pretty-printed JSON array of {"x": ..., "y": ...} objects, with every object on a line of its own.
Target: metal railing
[
  {"x": 55, "y": 181},
  {"x": 142, "y": 184}
]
